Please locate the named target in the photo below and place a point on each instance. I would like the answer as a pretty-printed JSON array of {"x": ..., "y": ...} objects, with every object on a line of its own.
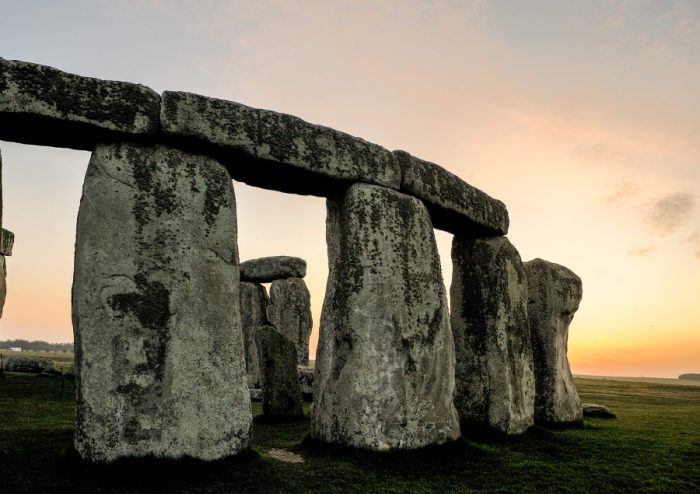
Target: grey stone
[
  {"x": 278, "y": 362},
  {"x": 276, "y": 151},
  {"x": 267, "y": 269},
  {"x": 23, "y": 363},
  {"x": 454, "y": 205},
  {"x": 597, "y": 411},
  {"x": 385, "y": 363},
  {"x": 256, "y": 394},
  {"x": 289, "y": 310},
  {"x": 7, "y": 241},
  {"x": 159, "y": 347},
  {"x": 306, "y": 381},
  {"x": 45, "y": 106},
  {"x": 495, "y": 379},
  {"x": 3, "y": 283},
  {"x": 554, "y": 294},
  {"x": 253, "y": 315}
]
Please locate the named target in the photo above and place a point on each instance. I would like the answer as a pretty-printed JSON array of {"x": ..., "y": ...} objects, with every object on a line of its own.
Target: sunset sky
[{"x": 582, "y": 116}]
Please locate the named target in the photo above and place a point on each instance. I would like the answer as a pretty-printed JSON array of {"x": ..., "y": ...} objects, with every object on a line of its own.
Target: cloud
[
  {"x": 640, "y": 251},
  {"x": 668, "y": 213},
  {"x": 620, "y": 194}
]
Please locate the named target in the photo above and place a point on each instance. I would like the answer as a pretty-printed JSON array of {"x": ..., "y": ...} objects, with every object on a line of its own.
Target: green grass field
[{"x": 654, "y": 446}]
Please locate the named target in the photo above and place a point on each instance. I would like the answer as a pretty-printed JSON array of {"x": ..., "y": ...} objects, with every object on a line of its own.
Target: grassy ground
[{"x": 654, "y": 446}]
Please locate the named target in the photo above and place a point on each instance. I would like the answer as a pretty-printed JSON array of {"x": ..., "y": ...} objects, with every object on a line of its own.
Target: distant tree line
[
  {"x": 37, "y": 346},
  {"x": 695, "y": 377}
]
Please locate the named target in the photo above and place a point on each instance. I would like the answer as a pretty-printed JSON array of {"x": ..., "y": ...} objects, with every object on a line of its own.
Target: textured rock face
[
  {"x": 385, "y": 364},
  {"x": 22, "y": 363},
  {"x": 45, "y": 106},
  {"x": 454, "y": 205},
  {"x": 306, "y": 381},
  {"x": 494, "y": 374},
  {"x": 597, "y": 411},
  {"x": 159, "y": 350},
  {"x": 290, "y": 154},
  {"x": 554, "y": 294},
  {"x": 289, "y": 310},
  {"x": 278, "y": 362},
  {"x": 253, "y": 316},
  {"x": 267, "y": 269},
  {"x": 7, "y": 241}
]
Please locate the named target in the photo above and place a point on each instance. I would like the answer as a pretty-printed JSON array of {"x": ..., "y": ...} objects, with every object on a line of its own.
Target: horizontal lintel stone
[
  {"x": 454, "y": 205},
  {"x": 267, "y": 269},
  {"x": 274, "y": 150},
  {"x": 45, "y": 106}
]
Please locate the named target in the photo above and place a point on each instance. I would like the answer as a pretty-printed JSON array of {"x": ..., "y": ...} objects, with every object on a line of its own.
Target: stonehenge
[
  {"x": 280, "y": 382},
  {"x": 554, "y": 295},
  {"x": 7, "y": 240},
  {"x": 385, "y": 362},
  {"x": 171, "y": 330},
  {"x": 494, "y": 374}
]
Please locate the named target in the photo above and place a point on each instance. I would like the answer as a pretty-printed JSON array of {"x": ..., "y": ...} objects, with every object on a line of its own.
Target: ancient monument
[
  {"x": 7, "y": 239},
  {"x": 161, "y": 304}
]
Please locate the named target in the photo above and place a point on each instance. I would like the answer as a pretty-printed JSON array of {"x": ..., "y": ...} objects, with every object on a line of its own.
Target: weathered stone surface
[
  {"x": 276, "y": 151},
  {"x": 306, "y": 381},
  {"x": 554, "y": 294},
  {"x": 7, "y": 241},
  {"x": 159, "y": 348},
  {"x": 597, "y": 411},
  {"x": 253, "y": 315},
  {"x": 256, "y": 394},
  {"x": 385, "y": 364},
  {"x": 454, "y": 205},
  {"x": 267, "y": 269},
  {"x": 45, "y": 106},
  {"x": 278, "y": 362},
  {"x": 494, "y": 374},
  {"x": 23, "y": 363},
  {"x": 289, "y": 310},
  {"x": 3, "y": 283}
]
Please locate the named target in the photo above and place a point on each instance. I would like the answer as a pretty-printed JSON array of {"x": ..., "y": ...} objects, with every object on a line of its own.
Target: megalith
[
  {"x": 253, "y": 302},
  {"x": 267, "y": 269},
  {"x": 495, "y": 382},
  {"x": 289, "y": 310},
  {"x": 554, "y": 294},
  {"x": 385, "y": 362},
  {"x": 160, "y": 365},
  {"x": 278, "y": 363}
]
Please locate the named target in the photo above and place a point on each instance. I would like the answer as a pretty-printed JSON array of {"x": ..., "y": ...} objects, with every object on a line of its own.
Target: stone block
[
  {"x": 289, "y": 311},
  {"x": 494, "y": 375},
  {"x": 454, "y": 205},
  {"x": 276, "y": 151},
  {"x": 45, "y": 106},
  {"x": 7, "y": 241},
  {"x": 160, "y": 365},
  {"x": 267, "y": 269},
  {"x": 253, "y": 315},
  {"x": 554, "y": 295},
  {"x": 278, "y": 362},
  {"x": 385, "y": 363}
]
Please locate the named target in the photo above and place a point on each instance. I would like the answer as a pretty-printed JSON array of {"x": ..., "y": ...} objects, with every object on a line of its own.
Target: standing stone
[
  {"x": 253, "y": 315},
  {"x": 385, "y": 363},
  {"x": 159, "y": 348},
  {"x": 289, "y": 311},
  {"x": 494, "y": 376},
  {"x": 554, "y": 294},
  {"x": 278, "y": 362},
  {"x": 3, "y": 273}
]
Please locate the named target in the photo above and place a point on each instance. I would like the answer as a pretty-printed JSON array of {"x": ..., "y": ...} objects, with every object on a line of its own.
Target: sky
[{"x": 582, "y": 116}]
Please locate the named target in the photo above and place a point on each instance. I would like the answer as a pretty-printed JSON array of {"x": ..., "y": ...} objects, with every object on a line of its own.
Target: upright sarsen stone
[
  {"x": 554, "y": 294},
  {"x": 159, "y": 350},
  {"x": 253, "y": 315},
  {"x": 494, "y": 376},
  {"x": 289, "y": 310},
  {"x": 278, "y": 363},
  {"x": 385, "y": 363}
]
